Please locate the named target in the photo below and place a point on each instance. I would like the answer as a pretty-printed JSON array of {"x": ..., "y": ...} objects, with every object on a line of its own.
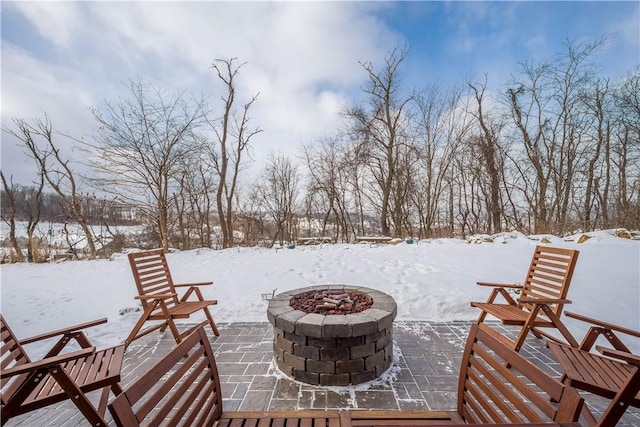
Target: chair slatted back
[
  {"x": 489, "y": 392},
  {"x": 182, "y": 389},
  {"x": 549, "y": 275},
  {"x": 152, "y": 276},
  {"x": 12, "y": 355}
]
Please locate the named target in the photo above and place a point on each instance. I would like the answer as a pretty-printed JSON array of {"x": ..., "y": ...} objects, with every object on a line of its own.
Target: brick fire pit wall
[{"x": 333, "y": 350}]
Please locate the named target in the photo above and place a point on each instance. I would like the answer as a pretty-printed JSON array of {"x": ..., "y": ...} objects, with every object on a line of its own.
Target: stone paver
[{"x": 424, "y": 374}]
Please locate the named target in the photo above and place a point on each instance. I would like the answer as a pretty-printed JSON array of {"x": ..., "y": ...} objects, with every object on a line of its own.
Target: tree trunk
[{"x": 11, "y": 221}]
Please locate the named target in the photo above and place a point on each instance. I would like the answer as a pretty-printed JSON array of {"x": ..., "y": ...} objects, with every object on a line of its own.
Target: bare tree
[
  {"x": 326, "y": 163},
  {"x": 279, "y": 193},
  {"x": 142, "y": 143},
  {"x": 233, "y": 135},
  {"x": 193, "y": 200},
  {"x": 9, "y": 191},
  {"x": 625, "y": 152},
  {"x": 38, "y": 138},
  {"x": 251, "y": 218},
  {"x": 442, "y": 123},
  {"x": 596, "y": 142},
  {"x": 546, "y": 105},
  {"x": 381, "y": 124},
  {"x": 490, "y": 153},
  {"x": 33, "y": 206}
]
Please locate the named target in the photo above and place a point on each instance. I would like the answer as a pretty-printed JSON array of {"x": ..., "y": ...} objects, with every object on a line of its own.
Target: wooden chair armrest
[
  {"x": 182, "y": 285},
  {"x": 68, "y": 330},
  {"x": 156, "y": 296},
  {"x": 500, "y": 285},
  {"x": 544, "y": 301},
  {"x": 45, "y": 363},
  {"x": 603, "y": 324},
  {"x": 622, "y": 355}
]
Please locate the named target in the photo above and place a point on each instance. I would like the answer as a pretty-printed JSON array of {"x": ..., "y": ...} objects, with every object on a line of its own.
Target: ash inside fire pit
[{"x": 331, "y": 302}]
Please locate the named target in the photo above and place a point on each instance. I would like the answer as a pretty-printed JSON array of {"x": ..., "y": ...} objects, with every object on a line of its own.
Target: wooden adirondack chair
[
  {"x": 542, "y": 298},
  {"x": 159, "y": 298},
  {"x": 614, "y": 375},
  {"x": 184, "y": 389},
  {"x": 29, "y": 385},
  {"x": 489, "y": 393}
]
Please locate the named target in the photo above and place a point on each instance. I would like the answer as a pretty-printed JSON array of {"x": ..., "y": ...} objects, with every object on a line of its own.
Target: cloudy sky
[{"x": 63, "y": 58}]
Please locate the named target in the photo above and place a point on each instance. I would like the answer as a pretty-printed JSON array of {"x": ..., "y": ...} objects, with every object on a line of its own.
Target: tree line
[
  {"x": 555, "y": 151},
  {"x": 39, "y": 209}
]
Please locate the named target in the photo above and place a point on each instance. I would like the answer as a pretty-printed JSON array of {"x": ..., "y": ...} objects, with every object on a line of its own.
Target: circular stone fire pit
[{"x": 333, "y": 349}]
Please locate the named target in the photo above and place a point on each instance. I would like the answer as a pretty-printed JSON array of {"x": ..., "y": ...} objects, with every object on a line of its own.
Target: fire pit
[{"x": 333, "y": 335}]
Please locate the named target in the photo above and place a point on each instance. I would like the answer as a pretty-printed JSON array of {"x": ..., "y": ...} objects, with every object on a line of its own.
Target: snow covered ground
[{"x": 430, "y": 280}]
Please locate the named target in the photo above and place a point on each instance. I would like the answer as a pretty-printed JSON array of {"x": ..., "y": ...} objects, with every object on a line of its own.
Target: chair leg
[
  {"x": 143, "y": 318},
  {"x": 522, "y": 336},
  {"x": 78, "y": 397},
  {"x": 555, "y": 319},
  {"x": 104, "y": 399},
  {"x": 528, "y": 325},
  {"x": 211, "y": 322},
  {"x": 481, "y": 318},
  {"x": 588, "y": 417},
  {"x": 566, "y": 381},
  {"x": 172, "y": 325},
  {"x": 620, "y": 402}
]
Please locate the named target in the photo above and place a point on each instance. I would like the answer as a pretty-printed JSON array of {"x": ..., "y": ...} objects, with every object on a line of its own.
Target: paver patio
[{"x": 424, "y": 375}]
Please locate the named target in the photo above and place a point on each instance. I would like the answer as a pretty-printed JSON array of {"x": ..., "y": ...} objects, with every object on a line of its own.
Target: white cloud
[
  {"x": 301, "y": 57},
  {"x": 628, "y": 28},
  {"x": 33, "y": 87},
  {"x": 54, "y": 21}
]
